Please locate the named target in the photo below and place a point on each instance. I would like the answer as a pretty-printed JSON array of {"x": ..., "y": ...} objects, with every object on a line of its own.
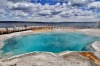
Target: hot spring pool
[{"x": 49, "y": 42}]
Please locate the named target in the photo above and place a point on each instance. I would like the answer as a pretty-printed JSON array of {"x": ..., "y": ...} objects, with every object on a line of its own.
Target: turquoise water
[{"x": 49, "y": 42}]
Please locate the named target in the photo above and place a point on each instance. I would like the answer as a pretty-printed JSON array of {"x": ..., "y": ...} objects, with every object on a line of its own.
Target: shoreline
[{"x": 85, "y": 31}]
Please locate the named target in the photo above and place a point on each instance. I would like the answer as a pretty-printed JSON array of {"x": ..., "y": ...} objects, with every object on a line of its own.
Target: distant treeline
[
  {"x": 40, "y": 22},
  {"x": 60, "y": 24}
]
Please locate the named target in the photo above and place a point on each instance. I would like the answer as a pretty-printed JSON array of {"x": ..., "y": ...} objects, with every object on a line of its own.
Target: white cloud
[
  {"x": 80, "y": 2},
  {"x": 57, "y": 18},
  {"x": 50, "y": 13},
  {"x": 3, "y": 4},
  {"x": 21, "y": 6},
  {"x": 2, "y": 11},
  {"x": 18, "y": 13},
  {"x": 76, "y": 12},
  {"x": 94, "y": 5},
  {"x": 45, "y": 12}
]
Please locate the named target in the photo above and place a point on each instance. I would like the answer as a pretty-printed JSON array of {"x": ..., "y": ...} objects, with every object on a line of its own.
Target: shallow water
[{"x": 49, "y": 42}]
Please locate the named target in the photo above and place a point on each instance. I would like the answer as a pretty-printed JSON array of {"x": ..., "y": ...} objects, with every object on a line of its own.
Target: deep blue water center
[{"x": 49, "y": 42}]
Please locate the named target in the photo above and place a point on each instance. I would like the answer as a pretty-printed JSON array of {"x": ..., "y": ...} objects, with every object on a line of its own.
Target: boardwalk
[{"x": 25, "y": 28}]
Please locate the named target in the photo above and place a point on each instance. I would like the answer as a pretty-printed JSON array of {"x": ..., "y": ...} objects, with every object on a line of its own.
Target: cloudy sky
[{"x": 50, "y": 10}]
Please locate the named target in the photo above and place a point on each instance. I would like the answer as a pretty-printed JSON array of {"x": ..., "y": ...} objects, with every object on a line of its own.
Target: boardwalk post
[
  {"x": 25, "y": 27},
  {"x": 7, "y": 31}
]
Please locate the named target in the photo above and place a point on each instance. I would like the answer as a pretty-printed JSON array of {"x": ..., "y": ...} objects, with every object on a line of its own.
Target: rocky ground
[{"x": 49, "y": 59}]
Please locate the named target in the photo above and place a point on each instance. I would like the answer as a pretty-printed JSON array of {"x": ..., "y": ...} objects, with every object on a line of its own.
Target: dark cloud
[{"x": 80, "y": 3}]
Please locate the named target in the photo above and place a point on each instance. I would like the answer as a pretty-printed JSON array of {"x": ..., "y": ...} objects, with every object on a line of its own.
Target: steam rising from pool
[{"x": 49, "y": 42}]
